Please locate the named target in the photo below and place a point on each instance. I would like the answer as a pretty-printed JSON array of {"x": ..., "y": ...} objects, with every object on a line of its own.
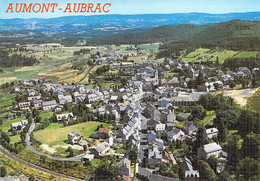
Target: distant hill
[
  {"x": 229, "y": 30},
  {"x": 235, "y": 34},
  {"x": 200, "y": 29},
  {"x": 115, "y": 22},
  {"x": 232, "y": 35},
  {"x": 164, "y": 33}
]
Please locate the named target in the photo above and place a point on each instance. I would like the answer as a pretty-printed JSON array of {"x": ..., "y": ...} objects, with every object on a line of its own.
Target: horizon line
[{"x": 133, "y": 14}]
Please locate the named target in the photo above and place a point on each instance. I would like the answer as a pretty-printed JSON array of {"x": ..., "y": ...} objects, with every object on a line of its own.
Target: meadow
[
  {"x": 54, "y": 134},
  {"x": 202, "y": 54}
]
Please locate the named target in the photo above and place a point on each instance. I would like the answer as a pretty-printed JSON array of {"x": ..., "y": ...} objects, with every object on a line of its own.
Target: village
[{"x": 154, "y": 122}]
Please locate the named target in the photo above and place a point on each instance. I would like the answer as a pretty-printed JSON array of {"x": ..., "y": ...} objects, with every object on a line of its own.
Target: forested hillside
[
  {"x": 15, "y": 60},
  {"x": 164, "y": 33}
]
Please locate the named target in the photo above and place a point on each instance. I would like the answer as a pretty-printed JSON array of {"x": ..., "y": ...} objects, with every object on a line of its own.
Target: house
[
  {"x": 30, "y": 92},
  {"x": 57, "y": 108},
  {"x": 183, "y": 101},
  {"x": 209, "y": 133},
  {"x": 64, "y": 99},
  {"x": 167, "y": 67},
  {"x": 151, "y": 136},
  {"x": 124, "y": 167},
  {"x": 175, "y": 134},
  {"x": 163, "y": 102},
  {"x": 100, "y": 110},
  {"x": 101, "y": 149},
  {"x": 189, "y": 128},
  {"x": 19, "y": 125},
  {"x": 187, "y": 170},
  {"x": 155, "y": 177},
  {"x": 37, "y": 103},
  {"x": 48, "y": 105},
  {"x": 245, "y": 70},
  {"x": 104, "y": 133},
  {"x": 154, "y": 156},
  {"x": 168, "y": 115},
  {"x": 15, "y": 89},
  {"x": 31, "y": 98},
  {"x": 160, "y": 129},
  {"x": 66, "y": 116},
  {"x": 91, "y": 98},
  {"x": 174, "y": 82},
  {"x": 182, "y": 116},
  {"x": 74, "y": 138},
  {"x": 24, "y": 105},
  {"x": 126, "y": 71},
  {"x": 170, "y": 126},
  {"x": 151, "y": 111},
  {"x": 207, "y": 150}
]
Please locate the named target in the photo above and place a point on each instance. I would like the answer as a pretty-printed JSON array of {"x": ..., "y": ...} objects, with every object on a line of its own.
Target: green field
[
  {"x": 45, "y": 115},
  {"x": 7, "y": 100},
  {"x": 121, "y": 151},
  {"x": 54, "y": 135},
  {"x": 54, "y": 126},
  {"x": 211, "y": 55},
  {"x": 15, "y": 139},
  {"x": 246, "y": 54}
]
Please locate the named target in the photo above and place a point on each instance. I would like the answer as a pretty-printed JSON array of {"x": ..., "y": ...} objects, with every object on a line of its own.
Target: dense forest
[
  {"x": 234, "y": 63},
  {"x": 15, "y": 60},
  {"x": 159, "y": 34},
  {"x": 232, "y": 35}
]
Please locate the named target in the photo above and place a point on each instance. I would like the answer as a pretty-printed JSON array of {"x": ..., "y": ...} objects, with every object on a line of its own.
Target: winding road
[
  {"x": 9, "y": 155},
  {"x": 76, "y": 158}
]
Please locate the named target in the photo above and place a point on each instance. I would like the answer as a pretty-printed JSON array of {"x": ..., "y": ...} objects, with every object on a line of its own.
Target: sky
[{"x": 140, "y": 7}]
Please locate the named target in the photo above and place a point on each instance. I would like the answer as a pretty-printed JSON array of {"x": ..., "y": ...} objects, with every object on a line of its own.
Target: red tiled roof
[
  {"x": 125, "y": 178},
  {"x": 103, "y": 130}
]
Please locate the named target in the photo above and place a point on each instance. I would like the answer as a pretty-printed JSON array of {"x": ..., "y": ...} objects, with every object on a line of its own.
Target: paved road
[
  {"x": 76, "y": 158},
  {"x": 9, "y": 155}
]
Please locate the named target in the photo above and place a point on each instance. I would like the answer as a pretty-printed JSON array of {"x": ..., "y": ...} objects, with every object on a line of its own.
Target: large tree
[
  {"x": 206, "y": 173},
  {"x": 248, "y": 167},
  {"x": 251, "y": 146}
]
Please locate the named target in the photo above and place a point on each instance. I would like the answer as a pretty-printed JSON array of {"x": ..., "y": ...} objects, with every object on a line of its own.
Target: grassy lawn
[
  {"x": 91, "y": 130},
  {"x": 95, "y": 162},
  {"x": 170, "y": 74},
  {"x": 121, "y": 151},
  {"x": 208, "y": 120},
  {"x": 7, "y": 124},
  {"x": 180, "y": 124},
  {"x": 15, "y": 139},
  {"x": 45, "y": 115},
  {"x": 54, "y": 126},
  {"x": 52, "y": 136}
]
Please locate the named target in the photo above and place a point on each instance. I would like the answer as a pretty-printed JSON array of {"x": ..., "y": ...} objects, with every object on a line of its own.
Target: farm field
[
  {"x": 202, "y": 54},
  {"x": 55, "y": 62},
  {"x": 60, "y": 134},
  {"x": 246, "y": 54}
]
